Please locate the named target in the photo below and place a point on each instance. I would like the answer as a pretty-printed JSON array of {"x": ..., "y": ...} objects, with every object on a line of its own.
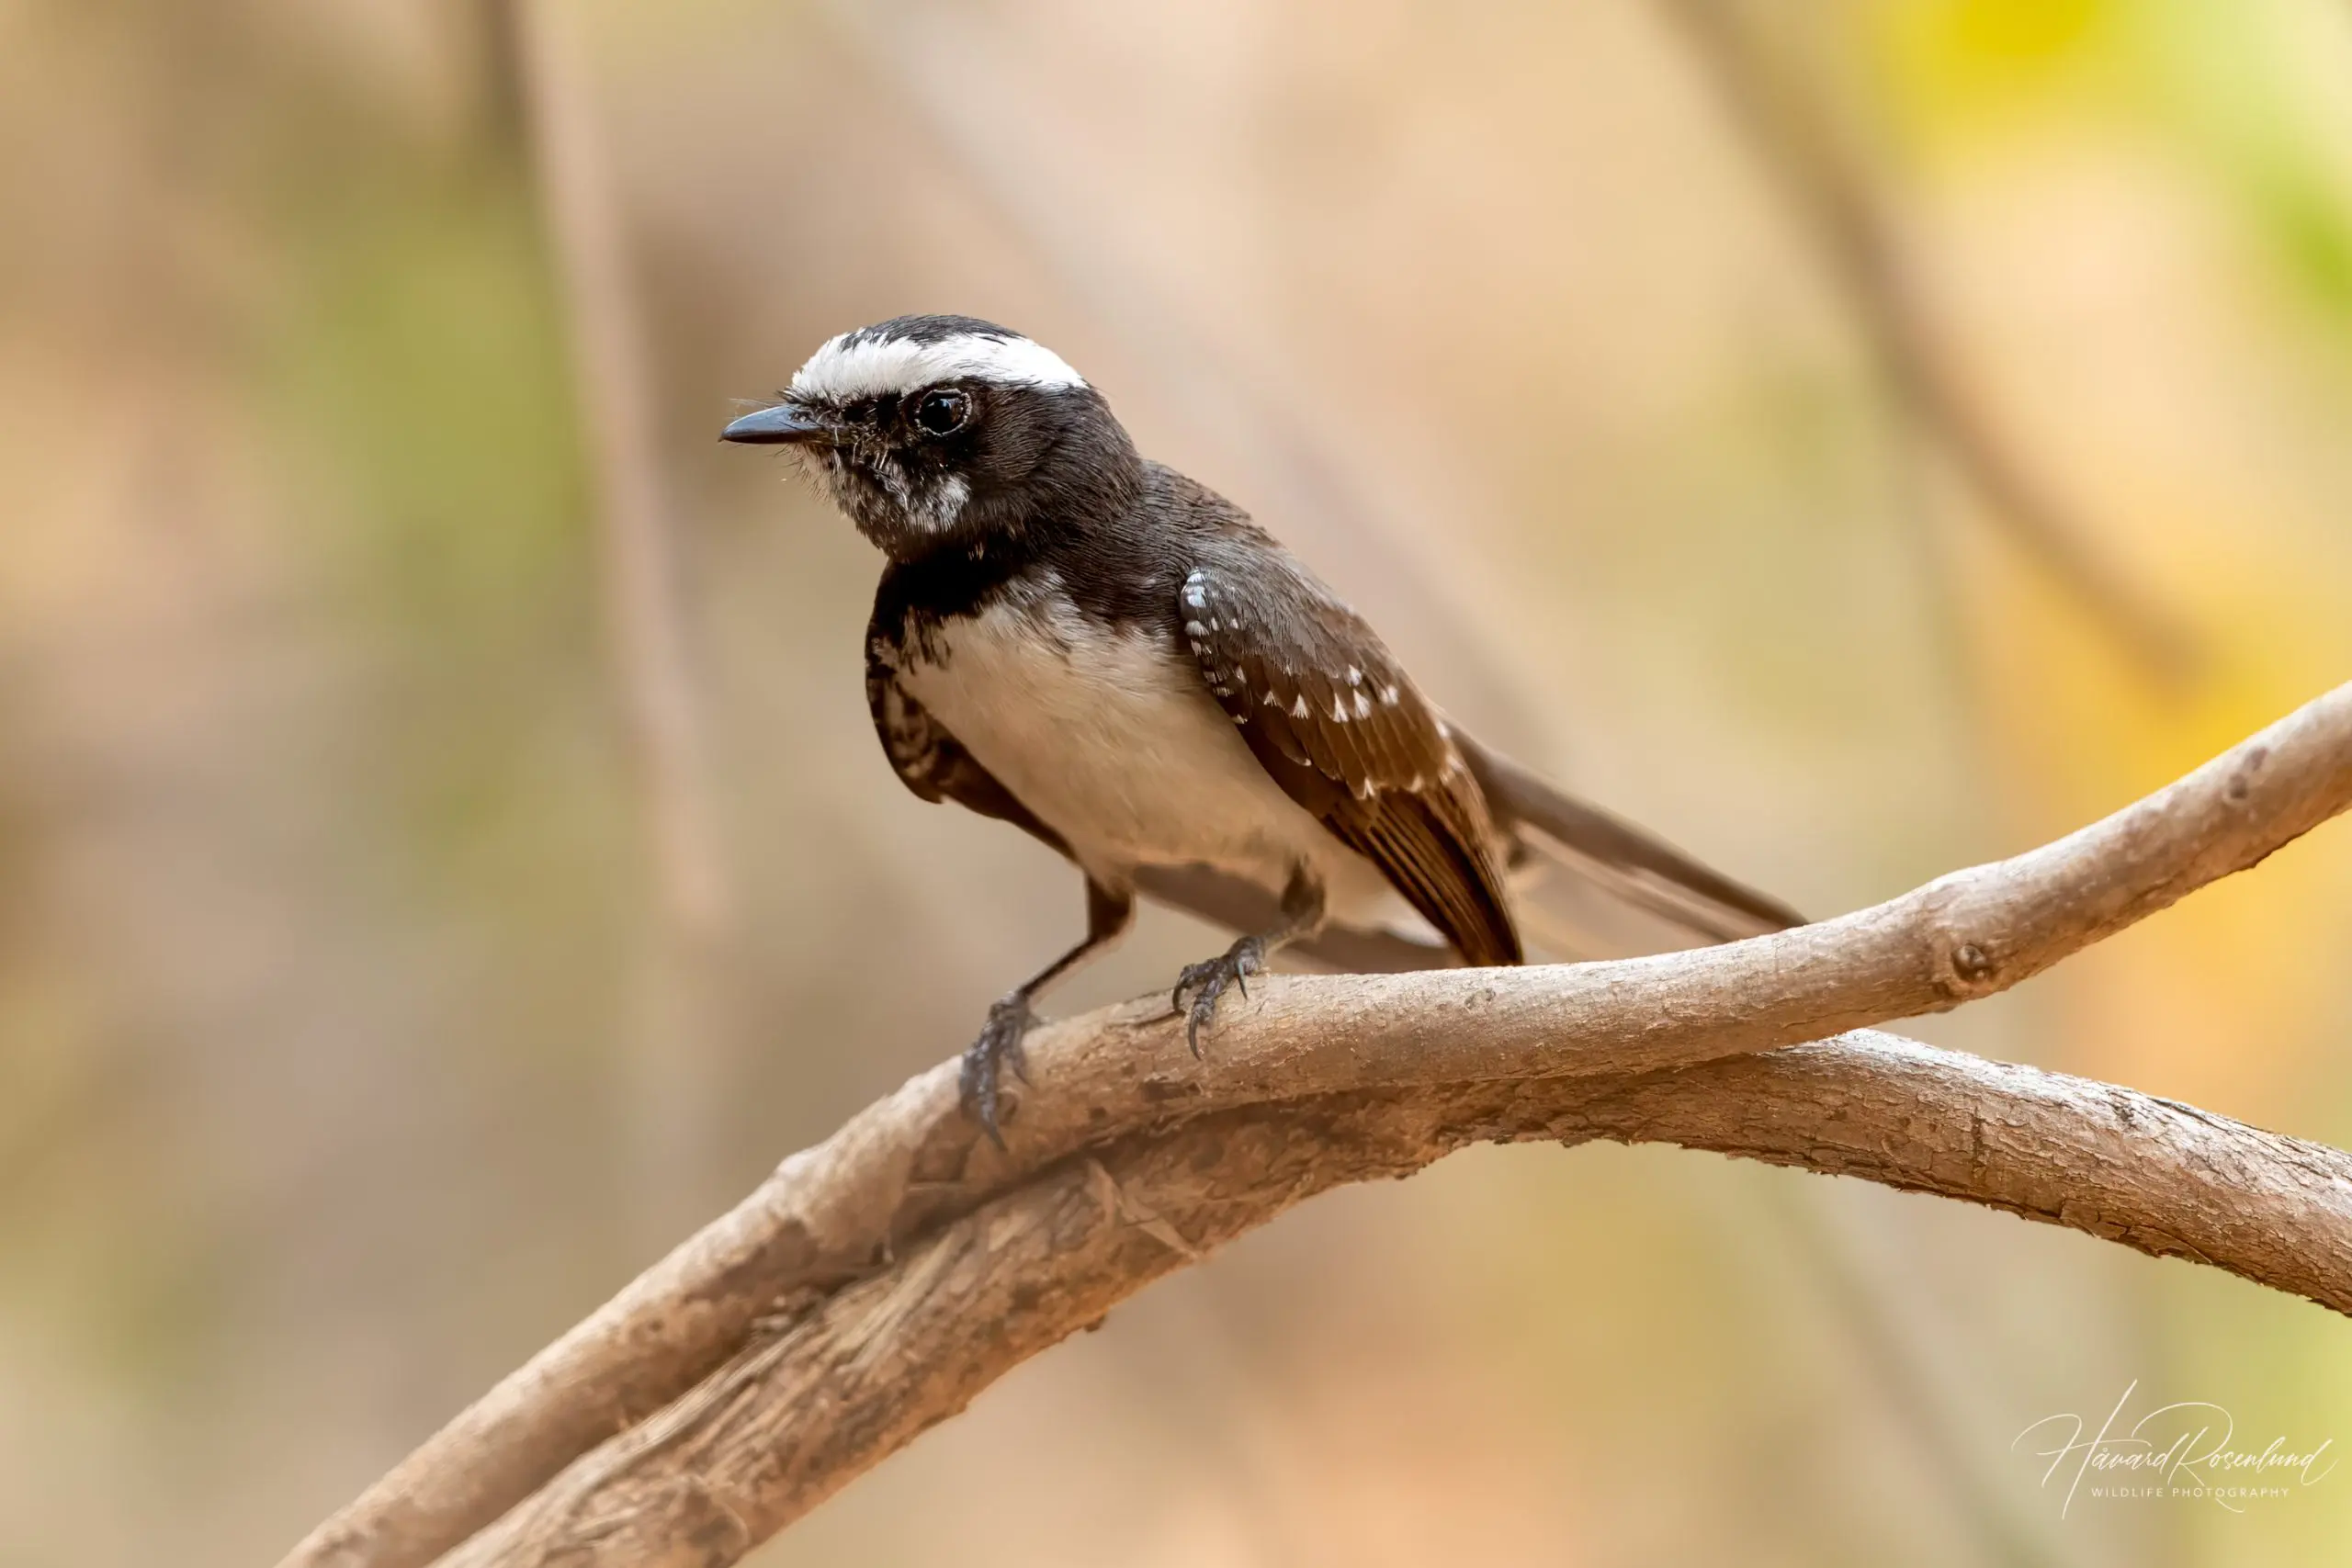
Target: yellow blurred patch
[
  {"x": 2213, "y": 1000},
  {"x": 1949, "y": 61}
]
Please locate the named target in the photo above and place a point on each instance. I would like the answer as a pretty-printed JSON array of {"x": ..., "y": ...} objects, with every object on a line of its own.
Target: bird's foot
[
  {"x": 997, "y": 1047},
  {"x": 1207, "y": 980}
]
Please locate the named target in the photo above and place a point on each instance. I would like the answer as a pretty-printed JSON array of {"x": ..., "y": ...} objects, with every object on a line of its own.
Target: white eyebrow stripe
[{"x": 844, "y": 369}]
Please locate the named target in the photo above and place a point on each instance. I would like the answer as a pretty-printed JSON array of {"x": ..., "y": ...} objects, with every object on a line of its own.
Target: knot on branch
[
  {"x": 905, "y": 1263},
  {"x": 1966, "y": 955},
  {"x": 2249, "y": 765},
  {"x": 1966, "y": 968}
]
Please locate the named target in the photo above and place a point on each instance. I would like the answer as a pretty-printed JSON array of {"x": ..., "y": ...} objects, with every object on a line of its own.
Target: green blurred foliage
[
  {"x": 2216, "y": 82},
  {"x": 323, "y": 905}
]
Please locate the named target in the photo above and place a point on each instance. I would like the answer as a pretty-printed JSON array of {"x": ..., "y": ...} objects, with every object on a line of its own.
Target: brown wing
[
  {"x": 1338, "y": 725},
  {"x": 932, "y": 762}
]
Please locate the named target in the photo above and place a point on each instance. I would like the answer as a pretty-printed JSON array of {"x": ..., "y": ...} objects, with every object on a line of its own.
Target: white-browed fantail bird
[{"x": 1114, "y": 659}]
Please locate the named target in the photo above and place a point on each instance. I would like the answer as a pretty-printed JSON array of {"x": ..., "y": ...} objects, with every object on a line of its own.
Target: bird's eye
[{"x": 943, "y": 413}]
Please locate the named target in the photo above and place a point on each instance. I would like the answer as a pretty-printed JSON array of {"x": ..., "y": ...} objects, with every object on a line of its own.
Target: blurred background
[{"x": 444, "y": 855}]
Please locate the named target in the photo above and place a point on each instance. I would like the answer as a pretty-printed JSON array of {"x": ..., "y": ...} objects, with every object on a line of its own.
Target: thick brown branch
[
  {"x": 911, "y": 1165},
  {"x": 815, "y": 1400}
]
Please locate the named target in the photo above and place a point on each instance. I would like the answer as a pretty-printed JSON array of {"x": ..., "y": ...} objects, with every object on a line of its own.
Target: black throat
[{"x": 1121, "y": 565}]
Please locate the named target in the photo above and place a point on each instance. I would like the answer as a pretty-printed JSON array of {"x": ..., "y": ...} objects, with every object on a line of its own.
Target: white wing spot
[
  {"x": 1298, "y": 708},
  {"x": 1338, "y": 711},
  {"x": 1195, "y": 595},
  {"x": 1241, "y": 718},
  {"x": 1195, "y": 628},
  {"x": 1388, "y": 694},
  {"x": 1273, "y": 700},
  {"x": 1355, "y": 676},
  {"x": 1363, "y": 705}
]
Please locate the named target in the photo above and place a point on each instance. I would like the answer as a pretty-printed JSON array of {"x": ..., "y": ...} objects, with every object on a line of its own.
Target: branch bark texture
[
  {"x": 876, "y": 1282},
  {"x": 814, "y": 1401}
]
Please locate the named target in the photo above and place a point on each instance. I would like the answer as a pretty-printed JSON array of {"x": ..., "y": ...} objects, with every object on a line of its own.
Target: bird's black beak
[{"x": 786, "y": 423}]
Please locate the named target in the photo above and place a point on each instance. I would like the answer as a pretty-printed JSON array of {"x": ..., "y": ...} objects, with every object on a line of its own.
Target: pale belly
[{"x": 1112, "y": 740}]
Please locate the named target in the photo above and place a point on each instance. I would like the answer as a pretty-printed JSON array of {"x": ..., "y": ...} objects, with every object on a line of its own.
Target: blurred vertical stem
[
  {"x": 948, "y": 62},
  {"x": 673, "y": 1052},
  {"x": 1797, "y": 148},
  {"x": 1868, "y": 1301}
]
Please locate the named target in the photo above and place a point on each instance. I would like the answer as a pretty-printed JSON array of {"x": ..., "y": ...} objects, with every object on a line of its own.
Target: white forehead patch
[{"x": 847, "y": 367}]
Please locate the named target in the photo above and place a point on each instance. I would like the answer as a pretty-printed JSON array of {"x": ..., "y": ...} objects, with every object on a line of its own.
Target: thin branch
[
  {"x": 910, "y": 1169},
  {"x": 956, "y": 74},
  {"x": 814, "y": 1402},
  {"x": 1870, "y": 1317},
  {"x": 673, "y": 1047},
  {"x": 1859, "y": 247},
  {"x": 614, "y": 380},
  {"x": 959, "y": 73}
]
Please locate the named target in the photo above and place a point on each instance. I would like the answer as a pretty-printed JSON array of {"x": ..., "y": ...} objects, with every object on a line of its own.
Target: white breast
[{"x": 1110, "y": 738}]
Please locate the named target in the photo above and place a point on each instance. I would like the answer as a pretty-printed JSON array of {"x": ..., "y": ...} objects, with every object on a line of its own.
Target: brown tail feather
[
  {"x": 1626, "y": 862},
  {"x": 1596, "y": 861}
]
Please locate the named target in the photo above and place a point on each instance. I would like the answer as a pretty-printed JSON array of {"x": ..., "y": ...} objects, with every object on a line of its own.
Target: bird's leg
[
  {"x": 1301, "y": 917},
  {"x": 1109, "y": 912}
]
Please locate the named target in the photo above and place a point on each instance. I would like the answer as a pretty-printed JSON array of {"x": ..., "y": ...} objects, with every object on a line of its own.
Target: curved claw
[
  {"x": 1208, "y": 981},
  {"x": 999, "y": 1046}
]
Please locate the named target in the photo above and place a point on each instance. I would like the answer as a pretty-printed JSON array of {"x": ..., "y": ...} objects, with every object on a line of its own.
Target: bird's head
[{"x": 937, "y": 432}]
